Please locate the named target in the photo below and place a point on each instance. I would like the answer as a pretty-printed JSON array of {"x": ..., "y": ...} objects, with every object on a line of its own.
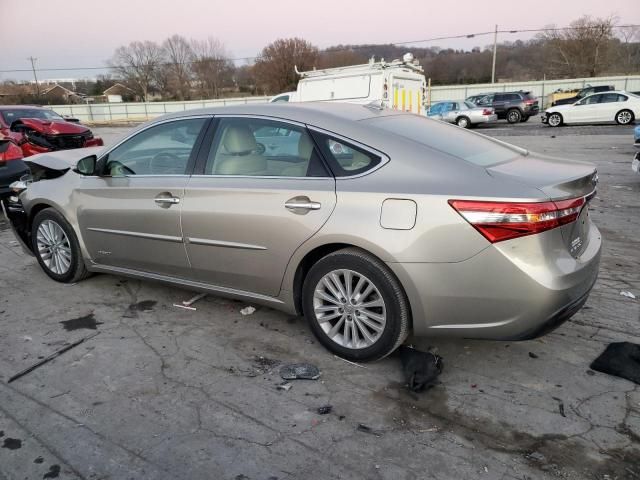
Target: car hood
[
  {"x": 560, "y": 108},
  {"x": 53, "y": 127},
  {"x": 63, "y": 160}
]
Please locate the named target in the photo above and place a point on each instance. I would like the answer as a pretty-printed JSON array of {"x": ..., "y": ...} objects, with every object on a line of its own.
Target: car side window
[
  {"x": 592, "y": 100},
  {"x": 263, "y": 148},
  {"x": 163, "y": 149},
  {"x": 609, "y": 98},
  {"x": 436, "y": 109},
  {"x": 346, "y": 159}
]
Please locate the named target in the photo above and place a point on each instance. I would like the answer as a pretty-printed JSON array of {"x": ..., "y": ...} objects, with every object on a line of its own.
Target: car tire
[
  {"x": 386, "y": 319},
  {"x": 525, "y": 118},
  {"x": 624, "y": 117},
  {"x": 463, "y": 122},
  {"x": 56, "y": 247},
  {"x": 554, "y": 120},
  {"x": 514, "y": 116}
]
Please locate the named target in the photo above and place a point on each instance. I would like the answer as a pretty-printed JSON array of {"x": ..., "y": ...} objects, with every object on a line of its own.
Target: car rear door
[
  {"x": 247, "y": 210},
  {"x": 129, "y": 216}
]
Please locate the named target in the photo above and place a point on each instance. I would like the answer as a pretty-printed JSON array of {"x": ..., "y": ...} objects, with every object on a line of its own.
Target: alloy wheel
[
  {"x": 349, "y": 308},
  {"x": 514, "y": 116},
  {"x": 554, "y": 120},
  {"x": 463, "y": 122},
  {"x": 54, "y": 247},
  {"x": 624, "y": 117}
]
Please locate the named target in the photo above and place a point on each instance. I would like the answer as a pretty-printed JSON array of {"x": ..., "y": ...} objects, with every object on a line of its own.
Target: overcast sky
[{"x": 84, "y": 33}]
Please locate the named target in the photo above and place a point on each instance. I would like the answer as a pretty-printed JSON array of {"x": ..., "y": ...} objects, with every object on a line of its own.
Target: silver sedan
[
  {"x": 462, "y": 113},
  {"x": 377, "y": 224}
]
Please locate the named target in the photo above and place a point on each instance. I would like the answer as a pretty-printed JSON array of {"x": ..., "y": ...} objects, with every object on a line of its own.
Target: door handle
[
  {"x": 165, "y": 200},
  {"x": 301, "y": 205},
  {"x": 170, "y": 200}
]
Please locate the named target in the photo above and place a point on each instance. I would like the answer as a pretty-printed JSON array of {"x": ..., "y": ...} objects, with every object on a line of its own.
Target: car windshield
[
  {"x": 473, "y": 148},
  {"x": 470, "y": 104},
  {"x": 11, "y": 115}
]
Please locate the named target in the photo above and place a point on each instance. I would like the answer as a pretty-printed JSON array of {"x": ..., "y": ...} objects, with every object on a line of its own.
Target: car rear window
[{"x": 452, "y": 140}]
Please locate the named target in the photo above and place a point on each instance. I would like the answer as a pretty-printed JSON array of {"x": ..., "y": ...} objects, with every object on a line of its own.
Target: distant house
[
  {"x": 58, "y": 93},
  {"x": 118, "y": 93}
]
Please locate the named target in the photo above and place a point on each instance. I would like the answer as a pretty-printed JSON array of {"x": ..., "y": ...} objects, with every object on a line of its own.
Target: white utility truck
[{"x": 399, "y": 84}]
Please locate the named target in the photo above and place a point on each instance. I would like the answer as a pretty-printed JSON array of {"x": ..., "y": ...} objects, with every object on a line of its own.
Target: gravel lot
[{"x": 164, "y": 393}]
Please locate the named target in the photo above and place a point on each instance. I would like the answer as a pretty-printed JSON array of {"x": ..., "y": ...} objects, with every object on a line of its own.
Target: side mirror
[{"x": 87, "y": 165}]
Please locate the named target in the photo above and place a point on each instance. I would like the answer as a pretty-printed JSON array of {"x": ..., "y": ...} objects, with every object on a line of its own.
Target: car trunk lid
[{"x": 560, "y": 181}]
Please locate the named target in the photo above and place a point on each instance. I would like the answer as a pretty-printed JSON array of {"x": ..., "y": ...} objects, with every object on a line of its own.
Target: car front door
[
  {"x": 248, "y": 209},
  {"x": 586, "y": 110},
  {"x": 129, "y": 214}
]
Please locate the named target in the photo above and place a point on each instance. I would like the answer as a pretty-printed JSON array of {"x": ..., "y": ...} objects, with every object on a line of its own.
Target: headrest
[
  {"x": 238, "y": 139},
  {"x": 305, "y": 146}
]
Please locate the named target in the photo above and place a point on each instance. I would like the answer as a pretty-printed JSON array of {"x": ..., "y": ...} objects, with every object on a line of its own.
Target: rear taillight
[
  {"x": 499, "y": 221},
  {"x": 11, "y": 152},
  {"x": 530, "y": 102},
  {"x": 487, "y": 111}
]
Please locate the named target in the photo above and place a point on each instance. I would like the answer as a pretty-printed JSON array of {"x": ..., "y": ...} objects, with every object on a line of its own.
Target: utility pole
[
  {"x": 33, "y": 67},
  {"x": 495, "y": 46}
]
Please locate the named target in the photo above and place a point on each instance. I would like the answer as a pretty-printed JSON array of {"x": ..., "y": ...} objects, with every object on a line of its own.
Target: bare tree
[
  {"x": 211, "y": 66},
  {"x": 137, "y": 64},
  {"x": 581, "y": 50},
  {"x": 177, "y": 70},
  {"x": 274, "y": 68},
  {"x": 629, "y": 49},
  {"x": 340, "y": 57}
]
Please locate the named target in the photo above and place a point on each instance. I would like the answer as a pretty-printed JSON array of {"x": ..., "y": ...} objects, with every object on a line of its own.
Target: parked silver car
[
  {"x": 411, "y": 225},
  {"x": 463, "y": 113}
]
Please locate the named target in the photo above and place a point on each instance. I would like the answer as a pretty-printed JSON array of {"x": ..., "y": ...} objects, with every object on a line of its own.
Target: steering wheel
[
  {"x": 165, "y": 163},
  {"x": 260, "y": 148},
  {"x": 117, "y": 169}
]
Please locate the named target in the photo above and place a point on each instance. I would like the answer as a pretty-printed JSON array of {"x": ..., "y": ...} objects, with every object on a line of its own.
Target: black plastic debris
[
  {"x": 421, "y": 369},
  {"x": 87, "y": 322},
  {"x": 533, "y": 355},
  {"x": 325, "y": 409},
  {"x": 621, "y": 359},
  {"x": 299, "y": 371},
  {"x": 54, "y": 472}
]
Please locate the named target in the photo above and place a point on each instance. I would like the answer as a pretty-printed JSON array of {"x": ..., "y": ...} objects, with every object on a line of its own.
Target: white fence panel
[{"x": 113, "y": 112}]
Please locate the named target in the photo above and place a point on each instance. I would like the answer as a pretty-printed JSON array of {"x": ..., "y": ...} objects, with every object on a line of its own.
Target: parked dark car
[
  {"x": 513, "y": 106},
  {"x": 588, "y": 90},
  {"x": 38, "y": 130},
  {"x": 12, "y": 167}
]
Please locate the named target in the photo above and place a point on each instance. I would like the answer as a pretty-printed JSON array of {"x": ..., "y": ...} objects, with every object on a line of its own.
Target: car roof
[{"x": 320, "y": 114}]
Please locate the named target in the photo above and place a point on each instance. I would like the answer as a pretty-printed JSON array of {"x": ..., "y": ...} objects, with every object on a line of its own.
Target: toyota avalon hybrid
[{"x": 371, "y": 223}]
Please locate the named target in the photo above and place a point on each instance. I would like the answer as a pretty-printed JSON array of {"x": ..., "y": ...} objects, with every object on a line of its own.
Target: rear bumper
[
  {"x": 484, "y": 119},
  {"x": 510, "y": 290}
]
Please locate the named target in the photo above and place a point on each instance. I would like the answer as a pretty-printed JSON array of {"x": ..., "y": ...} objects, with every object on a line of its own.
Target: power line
[{"x": 345, "y": 49}]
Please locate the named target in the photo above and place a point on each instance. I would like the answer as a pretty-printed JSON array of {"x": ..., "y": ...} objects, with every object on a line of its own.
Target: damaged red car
[{"x": 39, "y": 130}]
